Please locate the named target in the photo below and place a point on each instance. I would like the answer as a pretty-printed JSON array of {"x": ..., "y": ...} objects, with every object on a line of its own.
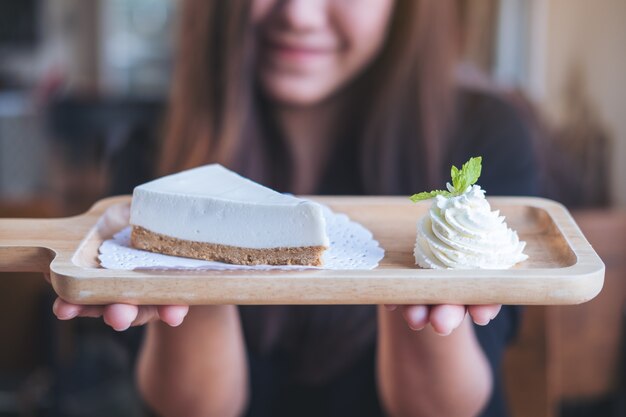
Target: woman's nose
[{"x": 305, "y": 15}]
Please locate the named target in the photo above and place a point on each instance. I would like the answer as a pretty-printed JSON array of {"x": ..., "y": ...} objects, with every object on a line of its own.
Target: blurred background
[{"x": 79, "y": 79}]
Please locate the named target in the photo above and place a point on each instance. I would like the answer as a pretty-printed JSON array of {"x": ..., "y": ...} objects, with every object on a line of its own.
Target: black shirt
[
  {"x": 488, "y": 127},
  {"x": 298, "y": 361}
]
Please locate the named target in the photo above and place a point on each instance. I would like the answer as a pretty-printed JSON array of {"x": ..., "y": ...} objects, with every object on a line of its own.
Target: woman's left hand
[{"x": 444, "y": 318}]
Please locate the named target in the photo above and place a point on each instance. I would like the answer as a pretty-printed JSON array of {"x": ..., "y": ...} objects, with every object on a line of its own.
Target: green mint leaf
[
  {"x": 455, "y": 174},
  {"x": 467, "y": 175},
  {"x": 427, "y": 195},
  {"x": 461, "y": 179},
  {"x": 472, "y": 170}
]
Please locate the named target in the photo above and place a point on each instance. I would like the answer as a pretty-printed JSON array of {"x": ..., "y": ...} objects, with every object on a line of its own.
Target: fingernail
[
  {"x": 482, "y": 323},
  {"x": 66, "y": 315},
  {"x": 69, "y": 316},
  {"x": 418, "y": 328},
  {"x": 121, "y": 329},
  {"x": 177, "y": 322},
  {"x": 116, "y": 328},
  {"x": 442, "y": 330}
]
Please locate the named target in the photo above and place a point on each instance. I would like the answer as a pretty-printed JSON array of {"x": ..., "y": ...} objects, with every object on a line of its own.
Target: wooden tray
[{"x": 562, "y": 269}]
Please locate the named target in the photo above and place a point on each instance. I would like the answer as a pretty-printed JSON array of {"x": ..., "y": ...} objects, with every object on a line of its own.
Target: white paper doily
[{"x": 352, "y": 246}]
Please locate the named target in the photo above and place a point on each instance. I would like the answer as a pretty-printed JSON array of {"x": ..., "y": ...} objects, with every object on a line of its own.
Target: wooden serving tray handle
[{"x": 30, "y": 245}]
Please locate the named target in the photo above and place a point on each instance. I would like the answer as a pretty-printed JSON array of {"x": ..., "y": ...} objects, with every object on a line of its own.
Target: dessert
[
  {"x": 461, "y": 232},
  {"x": 215, "y": 214}
]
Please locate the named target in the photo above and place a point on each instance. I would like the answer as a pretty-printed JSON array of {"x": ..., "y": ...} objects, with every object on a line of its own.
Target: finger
[
  {"x": 446, "y": 317},
  {"x": 120, "y": 316},
  {"x": 172, "y": 315},
  {"x": 391, "y": 307},
  {"x": 46, "y": 276},
  {"x": 66, "y": 311},
  {"x": 91, "y": 311},
  {"x": 416, "y": 316},
  {"x": 145, "y": 314},
  {"x": 63, "y": 310},
  {"x": 482, "y": 314}
]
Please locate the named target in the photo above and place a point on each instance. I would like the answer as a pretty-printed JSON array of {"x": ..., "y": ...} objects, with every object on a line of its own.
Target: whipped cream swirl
[{"x": 462, "y": 232}]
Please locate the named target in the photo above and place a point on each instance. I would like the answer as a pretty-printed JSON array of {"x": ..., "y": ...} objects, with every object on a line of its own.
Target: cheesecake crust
[{"x": 144, "y": 239}]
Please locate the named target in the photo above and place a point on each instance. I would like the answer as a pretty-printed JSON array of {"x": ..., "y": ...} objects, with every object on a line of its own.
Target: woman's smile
[{"x": 296, "y": 55}]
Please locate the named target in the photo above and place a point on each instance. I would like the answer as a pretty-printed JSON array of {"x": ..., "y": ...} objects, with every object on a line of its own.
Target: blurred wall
[
  {"x": 587, "y": 39},
  {"x": 67, "y": 47}
]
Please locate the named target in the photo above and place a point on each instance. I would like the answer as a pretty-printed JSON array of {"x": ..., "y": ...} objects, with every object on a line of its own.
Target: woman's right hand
[{"x": 121, "y": 316}]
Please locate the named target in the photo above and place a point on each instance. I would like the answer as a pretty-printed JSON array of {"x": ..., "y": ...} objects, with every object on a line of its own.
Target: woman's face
[{"x": 309, "y": 49}]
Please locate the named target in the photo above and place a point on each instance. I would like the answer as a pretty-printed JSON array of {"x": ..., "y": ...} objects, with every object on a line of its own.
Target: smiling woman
[
  {"x": 327, "y": 97},
  {"x": 307, "y": 53},
  {"x": 388, "y": 84}
]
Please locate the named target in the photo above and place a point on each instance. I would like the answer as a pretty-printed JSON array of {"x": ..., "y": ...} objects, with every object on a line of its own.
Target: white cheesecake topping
[{"x": 215, "y": 205}]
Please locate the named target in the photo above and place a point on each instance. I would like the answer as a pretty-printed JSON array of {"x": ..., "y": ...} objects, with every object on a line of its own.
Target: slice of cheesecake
[{"x": 215, "y": 214}]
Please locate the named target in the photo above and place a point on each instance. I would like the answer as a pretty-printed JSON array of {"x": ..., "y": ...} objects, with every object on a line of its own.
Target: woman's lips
[{"x": 295, "y": 54}]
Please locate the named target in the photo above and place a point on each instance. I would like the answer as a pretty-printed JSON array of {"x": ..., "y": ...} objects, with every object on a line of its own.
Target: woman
[{"x": 327, "y": 97}]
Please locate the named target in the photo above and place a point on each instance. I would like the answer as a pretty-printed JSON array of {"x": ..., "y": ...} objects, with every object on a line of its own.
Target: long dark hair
[
  {"x": 401, "y": 122},
  {"x": 401, "y": 107}
]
